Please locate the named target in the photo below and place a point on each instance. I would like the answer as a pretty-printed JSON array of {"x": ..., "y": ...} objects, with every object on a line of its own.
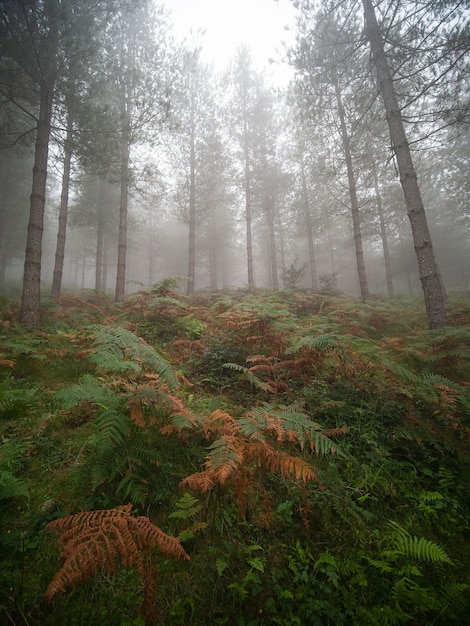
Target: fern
[
  {"x": 89, "y": 389},
  {"x": 248, "y": 375},
  {"x": 289, "y": 424},
  {"x": 416, "y": 548},
  {"x": 13, "y": 399},
  {"x": 319, "y": 342},
  {"x": 117, "y": 350},
  {"x": 10, "y": 485},
  {"x": 96, "y": 541}
]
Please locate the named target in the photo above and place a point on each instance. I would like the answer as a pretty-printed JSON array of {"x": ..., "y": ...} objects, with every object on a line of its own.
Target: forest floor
[{"x": 237, "y": 458}]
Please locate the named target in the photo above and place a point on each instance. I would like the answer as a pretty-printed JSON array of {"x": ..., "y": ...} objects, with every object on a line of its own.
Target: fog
[{"x": 233, "y": 177}]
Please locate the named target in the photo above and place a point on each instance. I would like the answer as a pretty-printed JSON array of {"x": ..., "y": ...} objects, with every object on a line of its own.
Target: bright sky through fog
[{"x": 228, "y": 23}]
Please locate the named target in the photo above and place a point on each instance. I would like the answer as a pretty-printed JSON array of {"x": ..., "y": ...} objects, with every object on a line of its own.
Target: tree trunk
[
  {"x": 63, "y": 211},
  {"x": 269, "y": 212},
  {"x": 248, "y": 218},
  {"x": 30, "y": 312},
  {"x": 123, "y": 205},
  {"x": 383, "y": 235},
  {"x": 361, "y": 270},
  {"x": 434, "y": 296},
  {"x": 99, "y": 252},
  {"x": 6, "y": 169},
  {"x": 192, "y": 206},
  {"x": 309, "y": 227}
]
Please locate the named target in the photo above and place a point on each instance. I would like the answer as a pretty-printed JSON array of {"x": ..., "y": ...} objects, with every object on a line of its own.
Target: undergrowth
[{"x": 303, "y": 456}]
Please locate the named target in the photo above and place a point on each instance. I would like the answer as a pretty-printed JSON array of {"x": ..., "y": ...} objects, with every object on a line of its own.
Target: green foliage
[
  {"x": 328, "y": 282},
  {"x": 324, "y": 456},
  {"x": 117, "y": 350},
  {"x": 10, "y": 462},
  {"x": 293, "y": 276}
]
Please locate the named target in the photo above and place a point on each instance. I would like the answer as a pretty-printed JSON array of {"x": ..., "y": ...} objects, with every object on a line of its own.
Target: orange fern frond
[
  {"x": 135, "y": 412},
  {"x": 225, "y": 458},
  {"x": 293, "y": 467},
  {"x": 186, "y": 348},
  {"x": 199, "y": 481},
  {"x": 97, "y": 541},
  {"x": 7, "y": 362},
  {"x": 290, "y": 467},
  {"x": 221, "y": 423},
  {"x": 336, "y": 432}
]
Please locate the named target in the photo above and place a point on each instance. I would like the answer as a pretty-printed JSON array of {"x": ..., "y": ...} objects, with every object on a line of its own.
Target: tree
[
  {"x": 138, "y": 64},
  {"x": 434, "y": 296},
  {"x": 35, "y": 39},
  {"x": 197, "y": 154},
  {"x": 30, "y": 39},
  {"x": 244, "y": 84},
  {"x": 324, "y": 84}
]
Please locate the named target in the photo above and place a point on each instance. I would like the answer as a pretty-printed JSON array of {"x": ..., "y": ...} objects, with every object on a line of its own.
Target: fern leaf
[
  {"x": 418, "y": 548},
  {"x": 118, "y": 350},
  {"x": 88, "y": 389},
  {"x": 224, "y": 458},
  {"x": 96, "y": 541},
  {"x": 12, "y": 487},
  {"x": 319, "y": 342},
  {"x": 199, "y": 481}
]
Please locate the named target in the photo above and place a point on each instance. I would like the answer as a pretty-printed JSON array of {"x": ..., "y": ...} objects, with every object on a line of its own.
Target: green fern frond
[
  {"x": 224, "y": 458},
  {"x": 10, "y": 460},
  {"x": 187, "y": 506},
  {"x": 318, "y": 342},
  {"x": 158, "y": 301},
  {"x": 12, "y": 398},
  {"x": 12, "y": 487},
  {"x": 29, "y": 345},
  {"x": 249, "y": 376},
  {"x": 118, "y": 350},
  {"x": 113, "y": 427},
  {"x": 417, "y": 548},
  {"x": 88, "y": 389},
  {"x": 409, "y": 593},
  {"x": 286, "y": 424},
  {"x": 454, "y": 594}
]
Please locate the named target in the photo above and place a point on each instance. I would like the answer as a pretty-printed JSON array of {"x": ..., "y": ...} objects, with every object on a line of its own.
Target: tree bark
[
  {"x": 31, "y": 297},
  {"x": 309, "y": 227},
  {"x": 361, "y": 270},
  {"x": 434, "y": 296},
  {"x": 248, "y": 218},
  {"x": 192, "y": 204},
  {"x": 123, "y": 205},
  {"x": 383, "y": 235},
  {"x": 30, "y": 312},
  {"x": 63, "y": 210}
]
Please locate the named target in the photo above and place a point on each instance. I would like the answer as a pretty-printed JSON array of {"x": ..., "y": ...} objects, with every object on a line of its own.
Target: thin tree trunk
[
  {"x": 30, "y": 312},
  {"x": 99, "y": 253},
  {"x": 31, "y": 298},
  {"x": 6, "y": 168},
  {"x": 272, "y": 249},
  {"x": 192, "y": 207},
  {"x": 383, "y": 234},
  {"x": 309, "y": 227},
  {"x": 248, "y": 218},
  {"x": 63, "y": 211},
  {"x": 123, "y": 206},
  {"x": 361, "y": 270},
  {"x": 434, "y": 296}
]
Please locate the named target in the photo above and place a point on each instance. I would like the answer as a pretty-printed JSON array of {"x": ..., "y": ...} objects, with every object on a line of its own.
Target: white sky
[{"x": 227, "y": 23}]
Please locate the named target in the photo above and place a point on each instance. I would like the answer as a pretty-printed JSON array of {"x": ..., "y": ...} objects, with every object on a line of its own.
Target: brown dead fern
[{"x": 99, "y": 541}]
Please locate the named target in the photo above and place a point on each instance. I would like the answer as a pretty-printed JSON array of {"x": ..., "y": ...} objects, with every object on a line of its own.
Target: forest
[{"x": 234, "y": 319}]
